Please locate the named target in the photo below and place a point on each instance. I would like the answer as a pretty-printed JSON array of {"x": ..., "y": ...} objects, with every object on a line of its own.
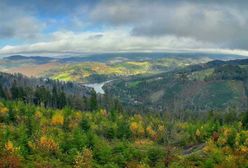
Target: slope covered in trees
[
  {"x": 217, "y": 85},
  {"x": 52, "y": 93},
  {"x": 34, "y": 136}
]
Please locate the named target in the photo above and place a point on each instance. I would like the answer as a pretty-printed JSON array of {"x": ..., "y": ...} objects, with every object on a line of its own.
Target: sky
[{"x": 76, "y": 27}]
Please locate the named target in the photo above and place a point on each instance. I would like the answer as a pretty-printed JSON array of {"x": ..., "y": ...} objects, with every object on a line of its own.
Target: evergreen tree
[{"x": 93, "y": 101}]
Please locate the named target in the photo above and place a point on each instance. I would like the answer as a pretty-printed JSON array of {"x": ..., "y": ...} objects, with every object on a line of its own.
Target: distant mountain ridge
[
  {"x": 36, "y": 59},
  {"x": 104, "y": 57}
]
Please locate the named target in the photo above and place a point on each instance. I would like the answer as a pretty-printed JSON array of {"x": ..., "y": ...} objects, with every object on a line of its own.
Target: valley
[
  {"x": 123, "y": 84},
  {"x": 98, "y": 68},
  {"x": 162, "y": 81},
  {"x": 170, "y": 111}
]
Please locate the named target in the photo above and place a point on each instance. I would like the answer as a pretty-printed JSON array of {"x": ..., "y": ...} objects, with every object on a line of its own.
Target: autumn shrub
[
  {"x": 48, "y": 144},
  {"x": 3, "y": 112},
  {"x": 57, "y": 119},
  {"x": 42, "y": 137},
  {"x": 137, "y": 129},
  {"x": 84, "y": 159},
  {"x": 10, "y": 161}
]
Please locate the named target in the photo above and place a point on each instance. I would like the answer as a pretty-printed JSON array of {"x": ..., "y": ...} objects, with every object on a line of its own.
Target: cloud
[
  {"x": 60, "y": 27},
  {"x": 16, "y": 23},
  {"x": 70, "y": 43},
  {"x": 67, "y": 42},
  {"x": 221, "y": 22}
]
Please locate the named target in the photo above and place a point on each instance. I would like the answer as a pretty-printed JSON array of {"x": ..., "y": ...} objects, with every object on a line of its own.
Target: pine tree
[{"x": 93, "y": 101}]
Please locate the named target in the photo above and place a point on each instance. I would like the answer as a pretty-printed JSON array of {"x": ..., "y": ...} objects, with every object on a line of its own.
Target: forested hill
[
  {"x": 51, "y": 93},
  {"x": 20, "y": 80},
  {"x": 41, "y": 91},
  {"x": 217, "y": 85}
]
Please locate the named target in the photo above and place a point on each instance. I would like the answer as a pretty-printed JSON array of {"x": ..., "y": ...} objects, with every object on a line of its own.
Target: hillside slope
[
  {"x": 101, "y": 71},
  {"x": 211, "y": 86}
]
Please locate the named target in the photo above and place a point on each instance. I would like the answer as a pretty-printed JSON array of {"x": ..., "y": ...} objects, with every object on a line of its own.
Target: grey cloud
[
  {"x": 222, "y": 22},
  {"x": 16, "y": 23},
  {"x": 211, "y": 24}
]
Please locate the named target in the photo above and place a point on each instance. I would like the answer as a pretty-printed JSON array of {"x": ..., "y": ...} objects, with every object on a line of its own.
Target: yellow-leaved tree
[
  {"x": 150, "y": 132},
  {"x": 137, "y": 129},
  {"x": 3, "y": 111},
  {"x": 134, "y": 127},
  {"x": 9, "y": 146},
  {"x": 58, "y": 119},
  {"x": 48, "y": 144},
  {"x": 84, "y": 160}
]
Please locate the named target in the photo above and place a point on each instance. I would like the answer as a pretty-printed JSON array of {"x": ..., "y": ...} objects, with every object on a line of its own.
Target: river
[{"x": 98, "y": 87}]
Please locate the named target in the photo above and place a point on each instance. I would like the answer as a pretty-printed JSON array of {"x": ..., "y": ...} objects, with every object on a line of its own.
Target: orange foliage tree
[
  {"x": 58, "y": 119},
  {"x": 48, "y": 144}
]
